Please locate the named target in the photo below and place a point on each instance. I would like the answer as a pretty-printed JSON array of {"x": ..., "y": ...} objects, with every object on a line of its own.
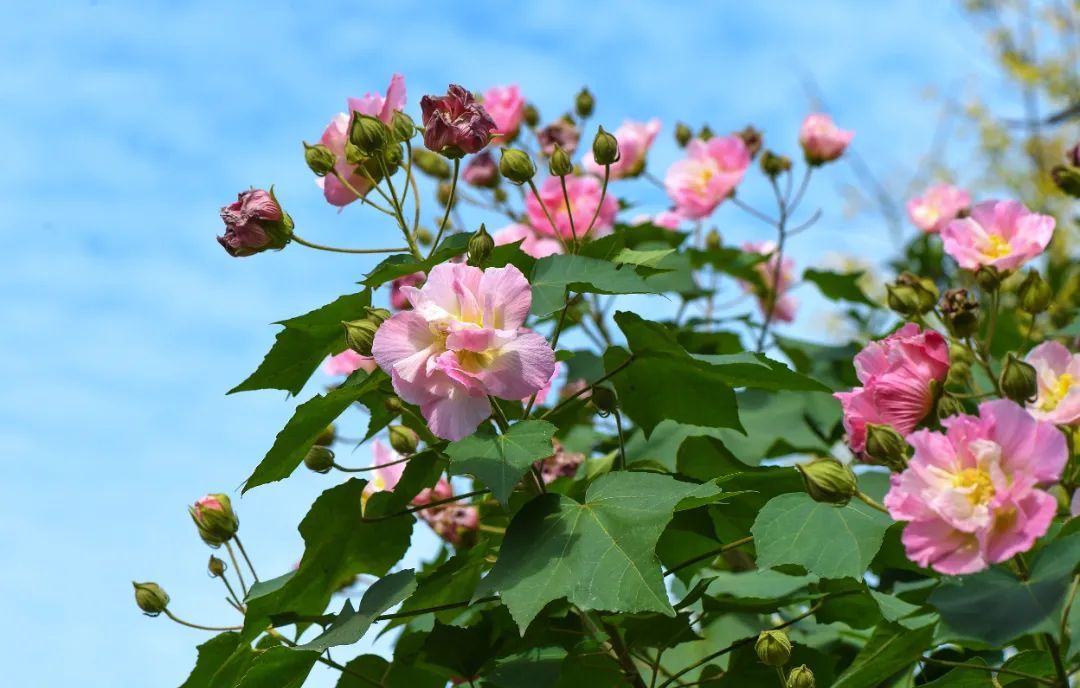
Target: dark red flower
[{"x": 455, "y": 124}]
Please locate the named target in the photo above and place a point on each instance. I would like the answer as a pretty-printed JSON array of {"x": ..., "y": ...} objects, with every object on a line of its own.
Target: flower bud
[
  {"x": 481, "y": 171},
  {"x": 604, "y": 400},
  {"x": 1018, "y": 381},
  {"x": 516, "y": 165},
  {"x": 327, "y": 436},
  {"x": 377, "y": 315},
  {"x": 531, "y": 115},
  {"x": 948, "y": 405},
  {"x": 560, "y": 163},
  {"x": 828, "y": 481},
  {"x": 801, "y": 677},
  {"x": 1034, "y": 293},
  {"x": 404, "y": 440},
  {"x": 500, "y": 194},
  {"x": 480, "y": 247},
  {"x": 368, "y": 133},
  {"x": 773, "y": 648},
  {"x": 705, "y": 133},
  {"x": 424, "y": 236},
  {"x": 961, "y": 312},
  {"x": 360, "y": 335},
  {"x": 392, "y": 156},
  {"x": 320, "y": 159},
  {"x": 902, "y": 299},
  {"x": 444, "y": 194},
  {"x": 926, "y": 292},
  {"x": 752, "y": 139},
  {"x": 319, "y": 459},
  {"x": 216, "y": 567},
  {"x": 353, "y": 156},
  {"x": 1067, "y": 178},
  {"x": 215, "y": 519},
  {"x": 584, "y": 104},
  {"x": 605, "y": 148},
  {"x": 393, "y": 405},
  {"x": 431, "y": 164},
  {"x": 886, "y": 446},
  {"x": 683, "y": 134},
  {"x": 712, "y": 240},
  {"x": 402, "y": 126},
  {"x": 150, "y": 598},
  {"x": 988, "y": 278},
  {"x": 773, "y": 165}
]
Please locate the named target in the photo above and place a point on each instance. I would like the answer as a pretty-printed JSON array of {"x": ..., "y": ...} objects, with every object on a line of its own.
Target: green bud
[
  {"x": 705, "y": 133},
  {"x": 773, "y": 165},
  {"x": 353, "y": 156},
  {"x": 1067, "y": 178},
  {"x": 886, "y": 446},
  {"x": 392, "y": 157},
  {"x": 360, "y": 335},
  {"x": 1018, "y": 380},
  {"x": 828, "y": 481},
  {"x": 961, "y": 312},
  {"x": 516, "y": 165},
  {"x": 773, "y": 648},
  {"x": 424, "y": 236},
  {"x": 216, "y": 567},
  {"x": 319, "y": 459},
  {"x": 604, "y": 400},
  {"x": 560, "y": 163},
  {"x": 320, "y": 159},
  {"x": 431, "y": 164},
  {"x": 902, "y": 299},
  {"x": 712, "y": 240},
  {"x": 377, "y": 315},
  {"x": 948, "y": 405},
  {"x": 958, "y": 353},
  {"x": 480, "y": 247},
  {"x": 605, "y": 148},
  {"x": 368, "y": 133},
  {"x": 801, "y": 677},
  {"x": 215, "y": 519},
  {"x": 584, "y": 104},
  {"x": 404, "y": 440},
  {"x": 393, "y": 405},
  {"x": 499, "y": 194},
  {"x": 444, "y": 194},
  {"x": 531, "y": 115},
  {"x": 683, "y": 134},
  {"x": 327, "y": 436},
  {"x": 988, "y": 278},
  {"x": 402, "y": 126},
  {"x": 926, "y": 292},
  {"x": 1034, "y": 293},
  {"x": 150, "y": 598}
]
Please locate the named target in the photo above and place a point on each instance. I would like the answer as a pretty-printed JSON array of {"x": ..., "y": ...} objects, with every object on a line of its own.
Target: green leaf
[
  {"x": 995, "y": 606},
  {"x": 649, "y": 259},
  {"x": 307, "y": 422},
  {"x": 733, "y": 262},
  {"x": 535, "y": 668},
  {"x": 748, "y": 369},
  {"x": 401, "y": 264},
  {"x": 964, "y": 678},
  {"x": 453, "y": 581},
  {"x": 890, "y": 650},
  {"x": 233, "y": 669},
  {"x": 553, "y": 275},
  {"x": 303, "y": 343},
  {"x": 351, "y": 625},
  {"x": 763, "y": 584},
  {"x": 279, "y": 667},
  {"x": 599, "y": 554},
  {"x": 338, "y": 545},
  {"x": 781, "y": 423},
  {"x": 839, "y": 286},
  {"x": 833, "y": 542},
  {"x": 367, "y": 671},
  {"x": 500, "y": 461},
  {"x": 212, "y": 655}
]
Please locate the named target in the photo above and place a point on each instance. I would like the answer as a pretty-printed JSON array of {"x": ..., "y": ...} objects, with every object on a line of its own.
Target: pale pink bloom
[
  {"x": 348, "y": 362},
  {"x": 668, "y": 219},
  {"x": 896, "y": 373},
  {"x": 441, "y": 490},
  {"x": 398, "y": 300},
  {"x": 786, "y": 304},
  {"x": 452, "y": 521},
  {"x": 634, "y": 139},
  {"x": 938, "y": 206},
  {"x": 1058, "y": 372},
  {"x": 462, "y": 341},
  {"x": 821, "y": 140},
  {"x": 970, "y": 494},
  {"x": 999, "y": 234},
  {"x": 561, "y": 464},
  {"x": 542, "y": 395},
  {"x": 584, "y": 194},
  {"x": 506, "y": 107},
  {"x": 532, "y": 242},
  {"x": 337, "y": 134},
  {"x": 707, "y": 176}
]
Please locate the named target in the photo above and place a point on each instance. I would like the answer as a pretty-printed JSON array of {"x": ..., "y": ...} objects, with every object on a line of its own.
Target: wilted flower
[
  {"x": 254, "y": 223},
  {"x": 1058, "y": 378},
  {"x": 784, "y": 304},
  {"x": 455, "y": 124},
  {"x": 506, "y": 107},
  {"x": 559, "y": 133},
  {"x": 937, "y": 207},
  {"x": 821, "y": 140},
  {"x": 482, "y": 171},
  {"x": 532, "y": 242},
  {"x": 585, "y": 195},
  {"x": 998, "y": 234},
  {"x": 561, "y": 464},
  {"x": 634, "y": 139},
  {"x": 707, "y": 176}
]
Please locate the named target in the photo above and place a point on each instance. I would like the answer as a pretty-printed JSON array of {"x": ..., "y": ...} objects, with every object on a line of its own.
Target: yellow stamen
[
  {"x": 1057, "y": 392},
  {"x": 982, "y": 487},
  {"x": 998, "y": 247}
]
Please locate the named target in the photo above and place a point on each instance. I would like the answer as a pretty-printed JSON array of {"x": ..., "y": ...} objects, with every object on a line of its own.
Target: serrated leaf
[
  {"x": 500, "y": 461},
  {"x": 279, "y": 667},
  {"x": 890, "y": 650},
  {"x": 401, "y": 264},
  {"x": 534, "y": 668},
  {"x": 833, "y": 542},
  {"x": 307, "y": 423},
  {"x": 212, "y": 655},
  {"x": 553, "y": 275},
  {"x": 599, "y": 554},
  {"x": 303, "y": 343},
  {"x": 839, "y": 286},
  {"x": 350, "y": 625},
  {"x": 749, "y": 369}
]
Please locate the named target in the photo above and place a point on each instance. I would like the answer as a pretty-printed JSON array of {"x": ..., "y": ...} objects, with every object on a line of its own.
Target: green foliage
[
  {"x": 350, "y": 625},
  {"x": 501, "y": 460}
]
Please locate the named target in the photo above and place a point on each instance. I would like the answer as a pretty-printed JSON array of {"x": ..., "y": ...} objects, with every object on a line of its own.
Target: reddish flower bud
[
  {"x": 562, "y": 134},
  {"x": 254, "y": 223},
  {"x": 455, "y": 124},
  {"x": 482, "y": 171}
]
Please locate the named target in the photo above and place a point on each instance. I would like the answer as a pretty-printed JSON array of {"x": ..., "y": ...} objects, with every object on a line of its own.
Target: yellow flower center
[
  {"x": 979, "y": 482},
  {"x": 1056, "y": 392},
  {"x": 997, "y": 247}
]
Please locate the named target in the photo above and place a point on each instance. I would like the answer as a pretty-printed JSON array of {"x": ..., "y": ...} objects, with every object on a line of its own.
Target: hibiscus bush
[{"x": 682, "y": 493}]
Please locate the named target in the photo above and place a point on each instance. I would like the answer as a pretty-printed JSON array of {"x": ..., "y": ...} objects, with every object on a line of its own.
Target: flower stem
[
  {"x": 547, "y": 214},
  {"x": 199, "y": 626},
  {"x": 569, "y": 212},
  {"x": 236, "y": 567},
  {"x": 429, "y": 505},
  {"x": 773, "y": 289},
  {"x": 989, "y": 669},
  {"x": 614, "y": 371},
  {"x": 334, "y": 249},
  {"x": 449, "y": 205},
  {"x": 600, "y": 203},
  {"x": 398, "y": 205},
  {"x": 363, "y": 198},
  {"x": 622, "y": 441},
  {"x": 243, "y": 553},
  {"x": 376, "y": 467},
  {"x": 870, "y": 502},
  {"x": 710, "y": 554}
]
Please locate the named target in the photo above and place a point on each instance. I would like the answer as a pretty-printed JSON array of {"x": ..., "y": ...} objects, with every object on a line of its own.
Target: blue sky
[{"x": 125, "y": 126}]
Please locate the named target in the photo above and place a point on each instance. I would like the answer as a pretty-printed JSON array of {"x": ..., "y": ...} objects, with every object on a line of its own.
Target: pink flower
[
  {"x": 1058, "y": 371},
  {"x": 453, "y": 521},
  {"x": 584, "y": 194},
  {"x": 348, "y": 362},
  {"x": 442, "y": 490},
  {"x": 506, "y": 107},
  {"x": 390, "y": 469},
  {"x": 937, "y": 207},
  {"x": 668, "y": 219},
  {"x": 969, "y": 494},
  {"x": 398, "y": 300},
  {"x": 337, "y": 133},
  {"x": 482, "y": 171},
  {"x": 254, "y": 223},
  {"x": 455, "y": 124},
  {"x": 462, "y": 341},
  {"x": 561, "y": 464},
  {"x": 532, "y": 242},
  {"x": 708, "y": 175},
  {"x": 896, "y": 373},
  {"x": 821, "y": 140},
  {"x": 634, "y": 139},
  {"x": 207, "y": 503},
  {"x": 1000, "y": 234},
  {"x": 785, "y": 304}
]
